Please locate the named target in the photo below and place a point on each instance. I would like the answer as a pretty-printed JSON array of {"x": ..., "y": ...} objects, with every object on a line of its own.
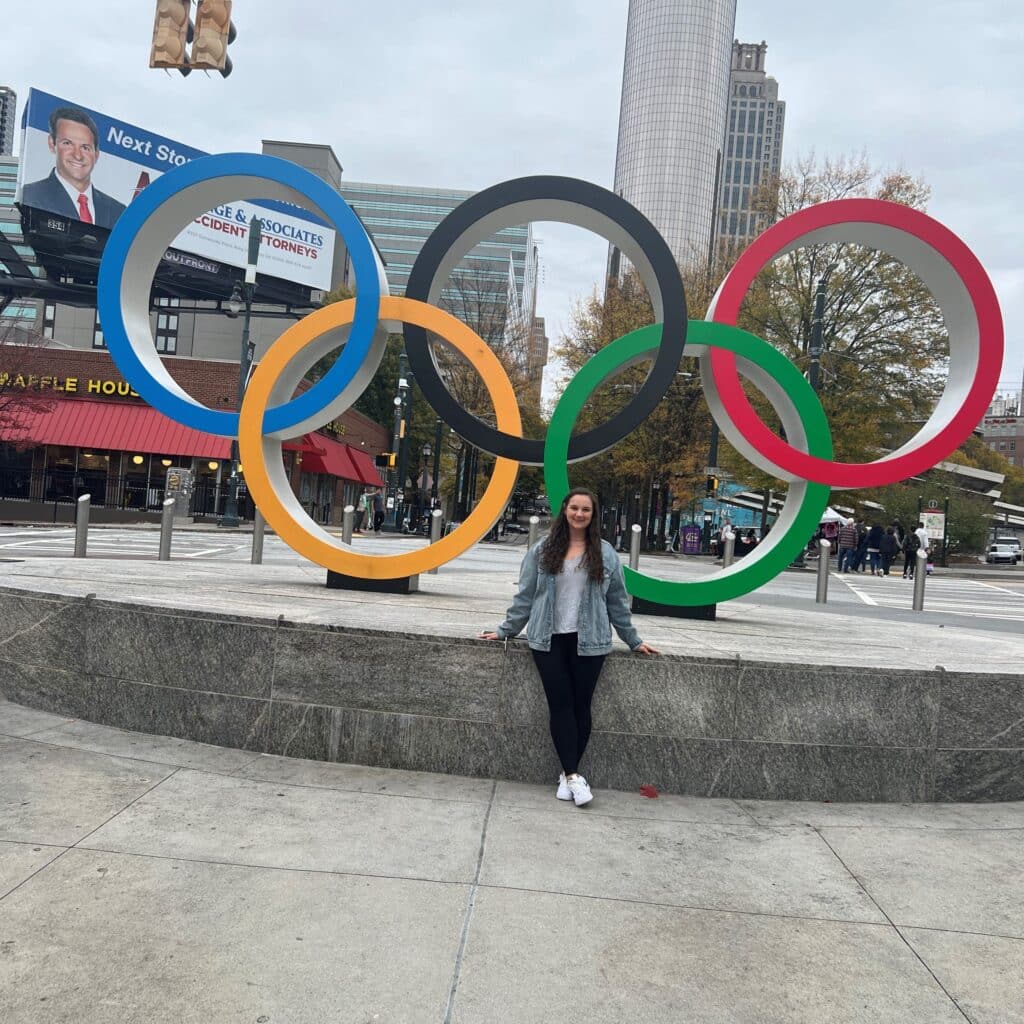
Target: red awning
[
  {"x": 365, "y": 467},
  {"x": 119, "y": 426},
  {"x": 341, "y": 460},
  {"x": 115, "y": 425}
]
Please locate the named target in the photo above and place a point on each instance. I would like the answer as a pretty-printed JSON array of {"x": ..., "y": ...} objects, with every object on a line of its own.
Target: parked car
[
  {"x": 1013, "y": 542},
  {"x": 1002, "y": 554}
]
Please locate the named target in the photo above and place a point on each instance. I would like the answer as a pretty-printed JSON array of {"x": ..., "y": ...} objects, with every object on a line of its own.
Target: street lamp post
[
  {"x": 437, "y": 463},
  {"x": 230, "y": 517},
  {"x": 393, "y": 471},
  {"x": 400, "y": 442},
  {"x": 818, "y": 329}
]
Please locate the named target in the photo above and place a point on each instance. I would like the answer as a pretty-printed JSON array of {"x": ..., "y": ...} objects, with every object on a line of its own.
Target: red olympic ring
[{"x": 969, "y": 305}]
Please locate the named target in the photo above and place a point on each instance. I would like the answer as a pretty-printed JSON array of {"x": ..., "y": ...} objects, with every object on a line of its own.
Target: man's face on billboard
[{"x": 75, "y": 152}]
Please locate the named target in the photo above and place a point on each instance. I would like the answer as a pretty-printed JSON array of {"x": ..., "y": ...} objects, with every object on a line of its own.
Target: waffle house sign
[{"x": 90, "y": 387}]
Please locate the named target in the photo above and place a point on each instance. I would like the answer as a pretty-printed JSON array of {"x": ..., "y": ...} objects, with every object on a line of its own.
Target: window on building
[
  {"x": 49, "y": 318},
  {"x": 97, "y": 333}
]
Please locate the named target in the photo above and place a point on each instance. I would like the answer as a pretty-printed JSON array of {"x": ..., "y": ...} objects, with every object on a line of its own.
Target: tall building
[
  {"x": 675, "y": 83},
  {"x": 17, "y": 260},
  {"x": 482, "y": 287},
  {"x": 8, "y": 101},
  {"x": 753, "y": 148}
]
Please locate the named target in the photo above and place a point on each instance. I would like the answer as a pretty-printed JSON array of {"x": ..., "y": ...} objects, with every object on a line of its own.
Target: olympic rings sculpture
[{"x": 270, "y": 413}]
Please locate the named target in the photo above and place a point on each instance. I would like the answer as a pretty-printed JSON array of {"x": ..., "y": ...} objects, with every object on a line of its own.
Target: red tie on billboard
[{"x": 83, "y": 208}]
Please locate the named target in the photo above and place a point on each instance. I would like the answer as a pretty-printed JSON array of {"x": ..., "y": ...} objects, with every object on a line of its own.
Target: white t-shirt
[{"x": 922, "y": 536}]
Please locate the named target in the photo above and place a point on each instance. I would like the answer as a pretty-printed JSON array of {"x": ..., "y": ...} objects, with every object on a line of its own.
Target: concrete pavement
[{"x": 155, "y": 880}]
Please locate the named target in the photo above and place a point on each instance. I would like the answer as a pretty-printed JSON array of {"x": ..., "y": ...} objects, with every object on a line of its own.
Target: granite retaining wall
[{"x": 707, "y": 727}]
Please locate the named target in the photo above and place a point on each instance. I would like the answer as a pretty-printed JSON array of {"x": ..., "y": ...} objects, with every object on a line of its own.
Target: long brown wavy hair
[{"x": 552, "y": 554}]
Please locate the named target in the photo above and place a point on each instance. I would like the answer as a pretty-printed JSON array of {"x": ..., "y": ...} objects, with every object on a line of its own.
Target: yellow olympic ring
[{"x": 261, "y": 455}]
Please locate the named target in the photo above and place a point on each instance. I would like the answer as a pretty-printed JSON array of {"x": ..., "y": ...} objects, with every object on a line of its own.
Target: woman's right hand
[{"x": 489, "y": 635}]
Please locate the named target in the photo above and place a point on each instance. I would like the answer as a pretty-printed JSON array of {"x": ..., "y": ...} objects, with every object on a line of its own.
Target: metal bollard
[
  {"x": 531, "y": 537},
  {"x": 728, "y": 549},
  {"x": 259, "y": 524},
  {"x": 920, "y": 574},
  {"x": 166, "y": 525},
  {"x": 348, "y": 522},
  {"x": 634, "y": 546},
  {"x": 82, "y": 525},
  {"x": 435, "y": 532},
  {"x": 824, "y": 550}
]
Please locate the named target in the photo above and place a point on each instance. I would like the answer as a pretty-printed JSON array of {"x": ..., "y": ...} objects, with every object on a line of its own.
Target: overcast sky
[{"x": 467, "y": 94}]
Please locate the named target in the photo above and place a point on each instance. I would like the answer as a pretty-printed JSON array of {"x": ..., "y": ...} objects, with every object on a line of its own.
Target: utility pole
[
  {"x": 818, "y": 329},
  {"x": 230, "y": 517}
]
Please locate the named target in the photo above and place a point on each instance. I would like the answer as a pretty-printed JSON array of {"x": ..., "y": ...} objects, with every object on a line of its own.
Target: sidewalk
[{"x": 155, "y": 880}]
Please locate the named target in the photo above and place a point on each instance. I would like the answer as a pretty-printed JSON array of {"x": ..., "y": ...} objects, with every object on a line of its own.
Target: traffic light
[
  {"x": 172, "y": 29},
  {"x": 712, "y": 485},
  {"x": 386, "y": 460},
  {"x": 213, "y": 33}
]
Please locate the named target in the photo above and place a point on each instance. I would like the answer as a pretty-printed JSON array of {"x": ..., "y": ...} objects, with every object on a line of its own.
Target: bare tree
[{"x": 21, "y": 378}]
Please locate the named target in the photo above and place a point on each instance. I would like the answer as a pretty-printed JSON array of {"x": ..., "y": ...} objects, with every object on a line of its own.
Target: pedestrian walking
[
  {"x": 910, "y": 549},
  {"x": 847, "y": 545},
  {"x": 874, "y": 548},
  {"x": 888, "y": 549},
  {"x": 861, "y": 554},
  {"x": 571, "y": 593},
  {"x": 362, "y": 510},
  {"x": 377, "y": 502}
]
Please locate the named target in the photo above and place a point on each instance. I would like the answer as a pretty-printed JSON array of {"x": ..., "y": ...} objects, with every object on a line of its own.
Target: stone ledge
[{"x": 685, "y": 724}]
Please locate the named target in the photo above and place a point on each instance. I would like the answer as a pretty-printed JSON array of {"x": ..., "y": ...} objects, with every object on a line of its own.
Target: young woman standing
[{"x": 571, "y": 592}]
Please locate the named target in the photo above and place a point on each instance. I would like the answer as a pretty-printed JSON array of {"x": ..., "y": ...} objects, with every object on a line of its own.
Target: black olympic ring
[{"x": 570, "y": 201}]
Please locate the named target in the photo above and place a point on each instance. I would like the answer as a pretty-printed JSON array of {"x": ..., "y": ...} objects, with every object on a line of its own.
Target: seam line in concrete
[
  {"x": 121, "y": 810},
  {"x": 49, "y": 863},
  {"x": 958, "y": 931},
  {"x": 894, "y": 927},
  {"x": 42, "y": 867},
  {"x": 470, "y": 906},
  {"x": 120, "y": 757},
  {"x": 249, "y": 866},
  {"x": 695, "y": 907}
]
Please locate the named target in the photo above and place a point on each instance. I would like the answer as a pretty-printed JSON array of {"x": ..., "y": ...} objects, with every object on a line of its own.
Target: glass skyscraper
[
  {"x": 400, "y": 217},
  {"x": 753, "y": 150},
  {"x": 675, "y": 83},
  {"x": 17, "y": 258}
]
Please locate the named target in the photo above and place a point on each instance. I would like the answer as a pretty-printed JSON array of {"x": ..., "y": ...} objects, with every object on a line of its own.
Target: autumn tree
[
  {"x": 884, "y": 345},
  {"x": 661, "y": 463},
  {"x": 21, "y": 349}
]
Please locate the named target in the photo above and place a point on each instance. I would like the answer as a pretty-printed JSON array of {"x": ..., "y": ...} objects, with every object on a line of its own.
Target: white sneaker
[
  {"x": 564, "y": 792},
  {"x": 580, "y": 791}
]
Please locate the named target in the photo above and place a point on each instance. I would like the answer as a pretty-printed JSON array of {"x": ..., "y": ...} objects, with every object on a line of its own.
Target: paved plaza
[
  {"x": 150, "y": 879},
  {"x": 156, "y": 880}
]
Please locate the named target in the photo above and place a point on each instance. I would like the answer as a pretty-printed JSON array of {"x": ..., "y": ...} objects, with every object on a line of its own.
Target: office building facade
[
  {"x": 400, "y": 218},
  {"x": 753, "y": 146},
  {"x": 672, "y": 117},
  {"x": 8, "y": 102}
]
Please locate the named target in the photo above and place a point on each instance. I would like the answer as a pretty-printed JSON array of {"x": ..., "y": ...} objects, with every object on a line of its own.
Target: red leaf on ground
[{"x": 648, "y": 791}]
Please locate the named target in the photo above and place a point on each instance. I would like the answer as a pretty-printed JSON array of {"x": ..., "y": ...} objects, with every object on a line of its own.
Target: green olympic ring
[{"x": 795, "y": 403}]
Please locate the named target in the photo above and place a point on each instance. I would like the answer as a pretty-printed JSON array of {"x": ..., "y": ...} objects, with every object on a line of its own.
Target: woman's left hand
[{"x": 645, "y": 649}]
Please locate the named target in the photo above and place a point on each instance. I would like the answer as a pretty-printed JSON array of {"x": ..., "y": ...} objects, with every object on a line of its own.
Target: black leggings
[{"x": 569, "y": 683}]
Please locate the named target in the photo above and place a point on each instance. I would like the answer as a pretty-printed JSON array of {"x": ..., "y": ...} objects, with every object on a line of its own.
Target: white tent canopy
[{"x": 830, "y": 515}]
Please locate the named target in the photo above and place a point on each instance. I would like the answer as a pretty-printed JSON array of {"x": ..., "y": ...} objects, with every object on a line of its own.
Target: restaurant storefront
[{"x": 80, "y": 429}]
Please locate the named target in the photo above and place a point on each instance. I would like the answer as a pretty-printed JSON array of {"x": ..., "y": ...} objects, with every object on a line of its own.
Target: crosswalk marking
[{"x": 970, "y": 598}]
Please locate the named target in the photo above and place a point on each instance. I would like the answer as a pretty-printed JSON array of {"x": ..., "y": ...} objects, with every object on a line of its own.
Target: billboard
[{"x": 88, "y": 166}]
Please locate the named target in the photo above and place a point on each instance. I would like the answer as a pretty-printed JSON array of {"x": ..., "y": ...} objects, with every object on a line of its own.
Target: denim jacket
[{"x": 604, "y": 605}]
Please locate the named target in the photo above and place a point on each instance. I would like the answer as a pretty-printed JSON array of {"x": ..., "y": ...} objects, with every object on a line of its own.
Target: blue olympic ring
[{"x": 144, "y": 370}]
